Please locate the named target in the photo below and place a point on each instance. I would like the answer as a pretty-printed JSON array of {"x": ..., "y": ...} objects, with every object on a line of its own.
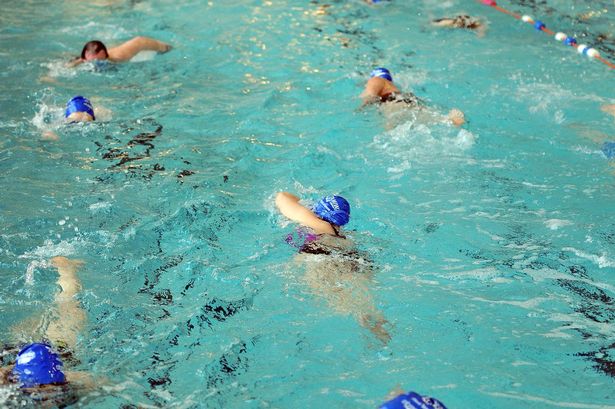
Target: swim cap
[
  {"x": 609, "y": 149},
  {"x": 413, "y": 400},
  {"x": 37, "y": 365},
  {"x": 79, "y": 104},
  {"x": 382, "y": 73},
  {"x": 333, "y": 209}
]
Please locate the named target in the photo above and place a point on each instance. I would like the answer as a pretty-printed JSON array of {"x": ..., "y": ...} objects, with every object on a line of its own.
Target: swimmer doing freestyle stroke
[
  {"x": 78, "y": 109},
  {"x": 97, "y": 51},
  {"x": 381, "y": 90},
  {"x": 463, "y": 22},
  {"x": 335, "y": 270},
  {"x": 38, "y": 374}
]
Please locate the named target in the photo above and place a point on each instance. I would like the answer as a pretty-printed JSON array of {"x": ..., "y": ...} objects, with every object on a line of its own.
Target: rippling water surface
[{"x": 493, "y": 246}]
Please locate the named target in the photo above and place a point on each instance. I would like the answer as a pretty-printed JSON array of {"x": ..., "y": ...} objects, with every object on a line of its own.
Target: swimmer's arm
[
  {"x": 71, "y": 317},
  {"x": 130, "y": 48},
  {"x": 443, "y": 22},
  {"x": 49, "y": 136},
  {"x": 289, "y": 206},
  {"x": 372, "y": 91},
  {"x": 456, "y": 117},
  {"x": 75, "y": 62}
]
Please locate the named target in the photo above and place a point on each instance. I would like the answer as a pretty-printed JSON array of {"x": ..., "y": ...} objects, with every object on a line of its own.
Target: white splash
[{"x": 555, "y": 224}]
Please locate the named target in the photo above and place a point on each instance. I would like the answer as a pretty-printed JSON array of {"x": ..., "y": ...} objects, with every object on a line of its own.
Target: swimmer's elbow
[
  {"x": 288, "y": 205},
  {"x": 279, "y": 199}
]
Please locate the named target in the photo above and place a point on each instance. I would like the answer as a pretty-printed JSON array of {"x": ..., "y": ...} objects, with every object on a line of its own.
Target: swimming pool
[{"x": 494, "y": 245}]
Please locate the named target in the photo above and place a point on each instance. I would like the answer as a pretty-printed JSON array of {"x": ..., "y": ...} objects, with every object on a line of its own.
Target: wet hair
[{"x": 94, "y": 47}]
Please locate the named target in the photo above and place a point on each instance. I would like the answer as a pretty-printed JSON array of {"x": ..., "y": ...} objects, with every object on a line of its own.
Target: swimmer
[
  {"x": 412, "y": 400},
  {"x": 97, "y": 51},
  {"x": 38, "y": 370},
  {"x": 335, "y": 270},
  {"x": 380, "y": 89},
  {"x": 461, "y": 21},
  {"x": 78, "y": 109}
]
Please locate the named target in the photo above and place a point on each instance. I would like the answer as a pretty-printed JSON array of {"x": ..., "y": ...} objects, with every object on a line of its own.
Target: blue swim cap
[
  {"x": 382, "y": 73},
  {"x": 333, "y": 209},
  {"x": 609, "y": 149},
  {"x": 79, "y": 104},
  {"x": 413, "y": 400},
  {"x": 37, "y": 365}
]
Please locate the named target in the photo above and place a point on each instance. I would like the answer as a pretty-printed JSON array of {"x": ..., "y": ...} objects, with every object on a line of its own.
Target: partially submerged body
[
  {"x": 97, "y": 51},
  {"x": 38, "y": 372},
  {"x": 462, "y": 21},
  {"x": 76, "y": 385},
  {"x": 79, "y": 109},
  {"x": 334, "y": 269},
  {"x": 380, "y": 89}
]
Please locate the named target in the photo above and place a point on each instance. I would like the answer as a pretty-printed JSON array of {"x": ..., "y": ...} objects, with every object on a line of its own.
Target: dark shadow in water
[{"x": 127, "y": 158}]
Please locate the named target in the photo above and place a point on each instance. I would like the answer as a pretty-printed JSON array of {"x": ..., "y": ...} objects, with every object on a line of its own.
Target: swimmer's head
[
  {"x": 381, "y": 73},
  {"x": 38, "y": 365},
  {"x": 79, "y": 109},
  {"x": 333, "y": 209},
  {"x": 94, "y": 50}
]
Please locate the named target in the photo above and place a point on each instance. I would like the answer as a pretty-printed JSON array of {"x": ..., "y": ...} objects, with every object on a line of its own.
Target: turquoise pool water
[{"x": 493, "y": 246}]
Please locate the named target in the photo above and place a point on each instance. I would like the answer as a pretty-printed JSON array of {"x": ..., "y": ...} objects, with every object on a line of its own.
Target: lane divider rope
[{"x": 559, "y": 36}]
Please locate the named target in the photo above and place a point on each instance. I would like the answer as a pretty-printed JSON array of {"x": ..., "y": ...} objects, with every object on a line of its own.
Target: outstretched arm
[
  {"x": 289, "y": 206},
  {"x": 70, "y": 318},
  {"x": 443, "y": 22},
  {"x": 130, "y": 48},
  {"x": 75, "y": 62}
]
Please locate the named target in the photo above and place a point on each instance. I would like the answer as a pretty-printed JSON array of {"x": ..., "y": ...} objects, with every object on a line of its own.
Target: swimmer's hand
[
  {"x": 75, "y": 62},
  {"x": 443, "y": 22},
  {"x": 49, "y": 136},
  {"x": 130, "y": 48},
  {"x": 456, "y": 117},
  {"x": 165, "y": 48},
  {"x": 376, "y": 323}
]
